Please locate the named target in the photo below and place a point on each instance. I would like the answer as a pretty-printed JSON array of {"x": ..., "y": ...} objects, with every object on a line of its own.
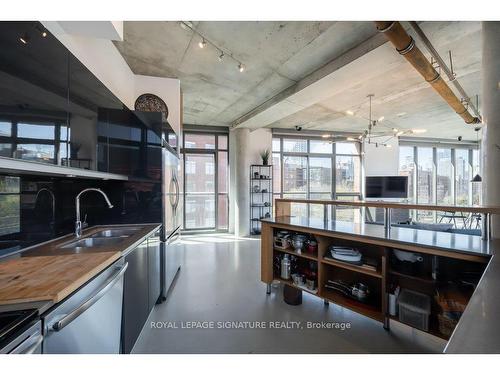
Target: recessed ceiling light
[
  {"x": 202, "y": 43},
  {"x": 349, "y": 113},
  {"x": 24, "y": 39}
]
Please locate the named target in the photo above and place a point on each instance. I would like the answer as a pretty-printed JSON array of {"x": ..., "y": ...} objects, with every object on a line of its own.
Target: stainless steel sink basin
[
  {"x": 92, "y": 242},
  {"x": 118, "y": 232}
]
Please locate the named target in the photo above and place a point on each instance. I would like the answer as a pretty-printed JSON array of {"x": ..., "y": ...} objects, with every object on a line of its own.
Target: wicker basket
[{"x": 446, "y": 325}]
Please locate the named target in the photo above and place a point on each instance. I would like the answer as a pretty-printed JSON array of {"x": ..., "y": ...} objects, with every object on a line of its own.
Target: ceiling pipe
[
  {"x": 442, "y": 65},
  {"x": 405, "y": 45}
]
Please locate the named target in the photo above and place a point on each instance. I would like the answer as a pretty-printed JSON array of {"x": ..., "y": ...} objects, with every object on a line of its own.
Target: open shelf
[
  {"x": 351, "y": 267},
  {"x": 359, "y": 307},
  {"x": 291, "y": 283},
  {"x": 302, "y": 255},
  {"x": 423, "y": 279}
]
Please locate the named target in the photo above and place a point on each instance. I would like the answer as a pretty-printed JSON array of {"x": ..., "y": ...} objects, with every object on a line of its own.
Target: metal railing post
[{"x": 387, "y": 221}]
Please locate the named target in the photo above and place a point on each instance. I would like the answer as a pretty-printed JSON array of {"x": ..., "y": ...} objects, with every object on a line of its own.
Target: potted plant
[{"x": 264, "y": 154}]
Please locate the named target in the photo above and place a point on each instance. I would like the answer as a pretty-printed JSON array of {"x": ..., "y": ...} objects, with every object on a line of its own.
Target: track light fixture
[{"x": 224, "y": 54}]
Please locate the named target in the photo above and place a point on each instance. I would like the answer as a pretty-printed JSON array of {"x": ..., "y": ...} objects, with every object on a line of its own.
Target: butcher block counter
[{"x": 53, "y": 270}]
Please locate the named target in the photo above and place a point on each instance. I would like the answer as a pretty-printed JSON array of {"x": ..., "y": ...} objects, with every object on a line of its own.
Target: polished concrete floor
[{"x": 220, "y": 282}]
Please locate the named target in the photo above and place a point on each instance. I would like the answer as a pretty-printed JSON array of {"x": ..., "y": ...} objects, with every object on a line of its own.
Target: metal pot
[{"x": 298, "y": 241}]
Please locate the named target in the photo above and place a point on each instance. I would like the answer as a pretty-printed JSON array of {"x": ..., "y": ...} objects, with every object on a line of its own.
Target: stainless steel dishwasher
[{"x": 89, "y": 320}]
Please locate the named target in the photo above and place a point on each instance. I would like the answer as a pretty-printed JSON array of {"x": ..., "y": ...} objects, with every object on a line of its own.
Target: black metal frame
[
  {"x": 333, "y": 156},
  {"x": 215, "y": 151},
  {"x": 255, "y": 225}
]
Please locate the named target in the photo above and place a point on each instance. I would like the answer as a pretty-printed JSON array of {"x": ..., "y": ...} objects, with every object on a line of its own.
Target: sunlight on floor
[{"x": 194, "y": 239}]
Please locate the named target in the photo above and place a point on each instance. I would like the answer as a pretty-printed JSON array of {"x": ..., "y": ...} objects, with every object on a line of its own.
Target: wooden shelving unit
[{"x": 377, "y": 280}]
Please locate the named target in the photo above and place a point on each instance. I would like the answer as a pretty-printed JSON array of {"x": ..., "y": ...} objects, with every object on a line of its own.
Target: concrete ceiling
[{"x": 305, "y": 73}]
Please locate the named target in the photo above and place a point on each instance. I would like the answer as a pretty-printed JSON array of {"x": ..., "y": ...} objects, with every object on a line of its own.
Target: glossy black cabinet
[
  {"x": 141, "y": 288},
  {"x": 129, "y": 143},
  {"x": 135, "y": 296},
  {"x": 49, "y": 100}
]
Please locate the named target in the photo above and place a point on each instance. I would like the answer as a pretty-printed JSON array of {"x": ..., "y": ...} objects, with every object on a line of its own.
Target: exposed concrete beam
[{"x": 284, "y": 99}]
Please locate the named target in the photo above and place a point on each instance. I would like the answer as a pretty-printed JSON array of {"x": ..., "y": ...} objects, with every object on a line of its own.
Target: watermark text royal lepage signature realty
[{"x": 232, "y": 324}]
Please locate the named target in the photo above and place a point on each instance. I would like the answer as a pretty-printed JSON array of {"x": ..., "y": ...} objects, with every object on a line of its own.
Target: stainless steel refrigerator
[{"x": 171, "y": 248}]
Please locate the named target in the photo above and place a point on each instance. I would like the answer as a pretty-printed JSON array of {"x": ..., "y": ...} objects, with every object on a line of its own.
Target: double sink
[{"x": 103, "y": 238}]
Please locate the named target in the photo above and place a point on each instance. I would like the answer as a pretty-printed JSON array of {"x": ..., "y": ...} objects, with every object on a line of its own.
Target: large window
[
  {"x": 443, "y": 176},
  {"x": 206, "y": 186},
  {"x": 313, "y": 168}
]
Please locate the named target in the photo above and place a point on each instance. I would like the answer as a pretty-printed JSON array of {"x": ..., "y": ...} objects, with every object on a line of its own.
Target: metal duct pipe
[
  {"x": 443, "y": 66},
  {"x": 405, "y": 45}
]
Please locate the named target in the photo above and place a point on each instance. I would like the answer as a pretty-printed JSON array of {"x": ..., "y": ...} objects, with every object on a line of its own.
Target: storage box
[{"x": 414, "y": 309}]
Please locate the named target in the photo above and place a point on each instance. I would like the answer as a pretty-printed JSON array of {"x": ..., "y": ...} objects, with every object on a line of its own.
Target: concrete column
[
  {"x": 244, "y": 149},
  {"x": 491, "y": 117}
]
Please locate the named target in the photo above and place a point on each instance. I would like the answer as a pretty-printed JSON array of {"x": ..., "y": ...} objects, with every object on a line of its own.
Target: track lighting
[
  {"x": 325, "y": 136},
  {"x": 202, "y": 43},
  {"x": 44, "y": 34},
  {"x": 241, "y": 67},
  {"x": 418, "y": 131},
  {"x": 24, "y": 39},
  {"x": 349, "y": 113},
  {"x": 381, "y": 118},
  {"x": 387, "y": 145},
  {"x": 221, "y": 56},
  {"x": 350, "y": 139}
]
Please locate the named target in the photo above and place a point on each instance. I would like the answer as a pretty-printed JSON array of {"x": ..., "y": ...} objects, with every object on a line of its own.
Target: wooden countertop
[
  {"x": 49, "y": 278},
  {"x": 48, "y": 272}
]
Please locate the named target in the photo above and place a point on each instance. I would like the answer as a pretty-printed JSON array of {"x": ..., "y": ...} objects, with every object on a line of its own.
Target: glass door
[{"x": 200, "y": 191}]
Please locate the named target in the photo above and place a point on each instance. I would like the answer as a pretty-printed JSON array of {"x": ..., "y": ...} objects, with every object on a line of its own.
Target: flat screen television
[{"x": 387, "y": 187}]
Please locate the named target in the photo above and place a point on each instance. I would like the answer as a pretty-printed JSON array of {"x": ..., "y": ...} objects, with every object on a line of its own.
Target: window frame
[
  {"x": 217, "y": 194},
  {"x": 333, "y": 162}
]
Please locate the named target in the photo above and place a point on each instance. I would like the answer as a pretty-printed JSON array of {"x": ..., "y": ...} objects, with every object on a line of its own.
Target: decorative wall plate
[{"x": 151, "y": 103}]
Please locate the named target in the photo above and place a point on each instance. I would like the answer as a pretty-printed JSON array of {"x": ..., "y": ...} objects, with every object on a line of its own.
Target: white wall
[
  {"x": 382, "y": 161},
  {"x": 244, "y": 149},
  {"x": 102, "y": 58},
  {"x": 169, "y": 89}
]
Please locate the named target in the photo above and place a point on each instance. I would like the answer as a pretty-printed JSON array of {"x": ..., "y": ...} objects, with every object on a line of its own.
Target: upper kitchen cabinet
[
  {"x": 49, "y": 101},
  {"x": 129, "y": 143}
]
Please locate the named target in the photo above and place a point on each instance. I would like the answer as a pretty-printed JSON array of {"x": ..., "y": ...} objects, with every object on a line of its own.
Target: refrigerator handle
[{"x": 177, "y": 192}]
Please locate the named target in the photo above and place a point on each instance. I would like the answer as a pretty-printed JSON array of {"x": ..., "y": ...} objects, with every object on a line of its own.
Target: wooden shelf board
[
  {"x": 351, "y": 267},
  {"x": 359, "y": 307},
  {"x": 302, "y": 255},
  {"x": 288, "y": 282},
  {"x": 427, "y": 280}
]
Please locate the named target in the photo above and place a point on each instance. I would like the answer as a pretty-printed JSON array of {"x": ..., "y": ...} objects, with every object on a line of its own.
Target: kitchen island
[{"x": 452, "y": 251}]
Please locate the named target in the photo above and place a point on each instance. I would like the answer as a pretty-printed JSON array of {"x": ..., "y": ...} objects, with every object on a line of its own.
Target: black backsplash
[
  {"x": 50, "y": 101},
  {"x": 134, "y": 202}
]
